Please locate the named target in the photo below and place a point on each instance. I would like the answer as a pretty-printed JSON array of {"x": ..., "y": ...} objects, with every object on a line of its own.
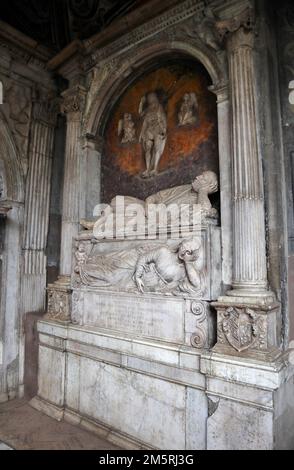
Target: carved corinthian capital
[
  {"x": 243, "y": 25},
  {"x": 73, "y": 103}
]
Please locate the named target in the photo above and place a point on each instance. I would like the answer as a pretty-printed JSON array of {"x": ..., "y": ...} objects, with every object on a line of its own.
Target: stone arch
[
  {"x": 120, "y": 69},
  {"x": 12, "y": 175}
]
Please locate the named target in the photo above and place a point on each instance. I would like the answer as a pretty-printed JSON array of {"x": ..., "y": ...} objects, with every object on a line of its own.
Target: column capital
[
  {"x": 221, "y": 90},
  {"x": 45, "y": 109},
  {"x": 45, "y": 105},
  {"x": 73, "y": 102},
  {"x": 239, "y": 30},
  {"x": 95, "y": 143}
]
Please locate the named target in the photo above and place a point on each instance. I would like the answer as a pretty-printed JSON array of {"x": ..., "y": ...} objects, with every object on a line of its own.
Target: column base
[
  {"x": 59, "y": 300},
  {"x": 251, "y": 295},
  {"x": 247, "y": 327}
]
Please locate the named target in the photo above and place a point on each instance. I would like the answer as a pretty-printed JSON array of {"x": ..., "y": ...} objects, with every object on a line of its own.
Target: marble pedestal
[{"x": 145, "y": 393}]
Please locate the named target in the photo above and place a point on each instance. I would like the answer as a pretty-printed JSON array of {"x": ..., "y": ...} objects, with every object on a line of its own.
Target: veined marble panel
[{"x": 150, "y": 409}]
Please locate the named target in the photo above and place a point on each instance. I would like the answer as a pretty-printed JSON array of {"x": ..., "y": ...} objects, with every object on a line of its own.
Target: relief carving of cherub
[
  {"x": 126, "y": 129},
  {"x": 189, "y": 109}
]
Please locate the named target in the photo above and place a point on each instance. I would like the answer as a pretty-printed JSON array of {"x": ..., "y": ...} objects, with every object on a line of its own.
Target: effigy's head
[
  {"x": 189, "y": 249},
  {"x": 207, "y": 181},
  {"x": 152, "y": 99},
  {"x": 127, "y": 117}
]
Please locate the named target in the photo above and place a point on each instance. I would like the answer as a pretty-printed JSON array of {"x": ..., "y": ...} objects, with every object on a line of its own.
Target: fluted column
[
  {"x": 247, "y": 316},
  {"x": 37, "y": 204},
  {"x": 73, "y": 196},
  {"x": 249, "y": 251}
]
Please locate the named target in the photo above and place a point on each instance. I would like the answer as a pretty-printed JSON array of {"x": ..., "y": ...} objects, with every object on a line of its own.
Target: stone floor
[{"x": 23, "y": 428}]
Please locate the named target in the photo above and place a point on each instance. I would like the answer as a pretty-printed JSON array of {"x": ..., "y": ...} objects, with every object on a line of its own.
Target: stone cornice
[
  {"x": 106, "y": 44},
  {"x": 23, "y": 47}
]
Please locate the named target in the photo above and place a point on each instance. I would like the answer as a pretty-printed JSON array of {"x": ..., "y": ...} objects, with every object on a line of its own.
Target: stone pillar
[
  {"x": 73, "y": 196},
  {"x": 249, "y": 254},
  {"x": 36, "y": 216},
  {"x": 73, "y": 202},
  {"x": 221, "y": 90},
  {"x": 37, "y": 204},
  {"x": 247, "y": 314}
]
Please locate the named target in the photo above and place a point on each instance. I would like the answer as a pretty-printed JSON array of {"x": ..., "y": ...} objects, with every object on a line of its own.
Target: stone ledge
[{"x": 244, "y": 370}]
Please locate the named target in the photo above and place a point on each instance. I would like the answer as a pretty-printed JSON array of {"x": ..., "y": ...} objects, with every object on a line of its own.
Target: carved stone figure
[
  {"x": 179, "y": 270},
  {"x": 153, "y": 132},
  {"x": 81, "y": 257},
  {"x": 188, "y": 110},
  {"x": 126, "y": 129},
  {"x": 190, "y": 194},
  {"x": 168, "y": 269}
]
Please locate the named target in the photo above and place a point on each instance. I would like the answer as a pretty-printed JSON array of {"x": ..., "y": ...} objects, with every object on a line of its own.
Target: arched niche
[
  {"x": 189, "y": 148},
  {"x": 116, "y": 75},
  {"x": 129, "y": 68}
]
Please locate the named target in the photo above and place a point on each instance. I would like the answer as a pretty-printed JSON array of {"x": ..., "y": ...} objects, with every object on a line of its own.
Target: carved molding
[{"x": 170, "y": 18}]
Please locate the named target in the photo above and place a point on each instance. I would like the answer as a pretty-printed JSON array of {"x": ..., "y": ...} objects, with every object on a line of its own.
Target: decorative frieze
[{"x": 172, "y": 17}]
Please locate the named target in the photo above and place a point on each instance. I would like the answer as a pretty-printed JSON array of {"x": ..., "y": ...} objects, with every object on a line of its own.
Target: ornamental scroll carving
[{"x": 200, "y": 337}]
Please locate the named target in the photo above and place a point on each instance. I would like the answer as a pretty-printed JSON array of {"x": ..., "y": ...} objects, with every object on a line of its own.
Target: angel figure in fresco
[
  {"x": 153, "y": 132},
  {"x": 188, "y": 110},
  {"x": 126, "y": 129}
]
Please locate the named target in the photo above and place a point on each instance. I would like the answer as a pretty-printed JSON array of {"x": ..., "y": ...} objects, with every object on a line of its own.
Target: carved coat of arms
[{"x": 240, "y": 328}]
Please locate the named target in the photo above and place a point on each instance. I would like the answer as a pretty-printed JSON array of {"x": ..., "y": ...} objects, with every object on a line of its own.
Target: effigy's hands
[{"x": 140, "y": 284}]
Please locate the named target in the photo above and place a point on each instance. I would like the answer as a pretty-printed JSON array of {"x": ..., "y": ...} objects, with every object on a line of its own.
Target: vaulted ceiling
[{"x": 55, "y": 23}]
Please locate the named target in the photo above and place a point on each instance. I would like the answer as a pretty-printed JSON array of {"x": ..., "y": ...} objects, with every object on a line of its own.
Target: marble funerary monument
[{"x": 157, "y": 330}]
